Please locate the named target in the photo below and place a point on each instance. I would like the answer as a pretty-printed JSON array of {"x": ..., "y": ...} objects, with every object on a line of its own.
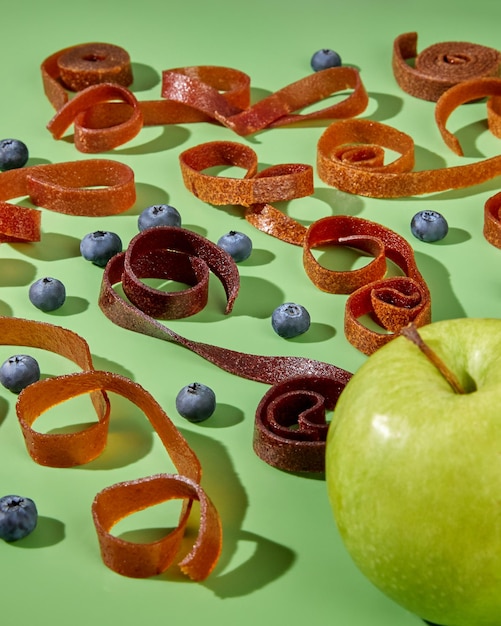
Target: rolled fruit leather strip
[
  {"x": 393, "y": 304},
  {"x": 137, "y": 317},
  {"x": 298, "y": 373},
  {"x": 74, "y": 448},
  {"x": 351, "y": 157},
  {"x": 179, "y": 254},
  {"x": 77, "y": 67},
  {"x": 92, "y": 187},
  {"x": 290, "y": 427},
  {"x": 255, "y": 190},
  {"x": 435, "y": 69},
  {"x": 189, "y": 94},
  {"x": 468, "y": 91}
]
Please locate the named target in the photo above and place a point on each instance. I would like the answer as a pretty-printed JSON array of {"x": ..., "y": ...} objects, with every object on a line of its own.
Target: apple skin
[{"x": 413, "y": 472}]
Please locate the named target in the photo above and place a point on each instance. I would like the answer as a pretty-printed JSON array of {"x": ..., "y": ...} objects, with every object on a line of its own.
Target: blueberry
[
  {"x": 325, "y": 58},
  {"x": 237, "y": 245},
  {"x": 429, "y": 226},
  {"x": 19, "y": 371},
  {"x": 47, "y": 294},
  {"x": 18, "y": 517},
  {"x": 159, "y": 215},
  {"x": 196, "y": 402},
  {"x": 100, "y": 246},
  {"x": 13, "y": 154},
  {"x": 290, "y": 320}
]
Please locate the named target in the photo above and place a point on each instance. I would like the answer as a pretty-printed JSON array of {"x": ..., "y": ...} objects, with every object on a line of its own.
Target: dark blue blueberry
[
  {"x": 290, "y": 320},
  {"x": 429, "y": 226},
  {"x": 158, "y": 215},
  {"x": 18, "y": 517},
  {"x": 13, "y": 154},
  {"x": 196, "y": 402},
  {"x": 100, "y": 246},
  {"x": 19, "y": 371},
  {"x": 47, "y": 294},
  {"x": 237, "y": 245},
  {"x": 325, "y": 58}
]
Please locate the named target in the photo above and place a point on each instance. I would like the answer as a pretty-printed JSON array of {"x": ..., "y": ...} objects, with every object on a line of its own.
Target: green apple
[{"x": 413, "y": 471}]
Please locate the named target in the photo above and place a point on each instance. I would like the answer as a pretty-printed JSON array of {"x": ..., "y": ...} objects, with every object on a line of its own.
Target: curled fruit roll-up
[
  {"x": 140, "y": 314},
  {"x": 106, "y": 114},
  {"x": 351, "y": 157},
  {"x": 76, "y": 447},
  {"x": 430, "y": 73},
  {"x": 393, "y": 304},
  {"x": 92, "y": 188},
  {"x": 290, "y": 427}
]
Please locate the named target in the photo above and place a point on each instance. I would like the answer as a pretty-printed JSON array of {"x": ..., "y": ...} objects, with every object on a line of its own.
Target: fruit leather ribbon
[
  {"x": 166, "y": 246},
  {"x": 351, "y": 157},
  {"x": 430, "y": 73},
  {"x": 392, "y": 302},
  {"x": 290, "y": 428},
  {"x": 467, "y": 91},
  {"x": 74, "y": 448},
  {"x": 106, "y": 114},
  {"x": 92, "y": 187}
]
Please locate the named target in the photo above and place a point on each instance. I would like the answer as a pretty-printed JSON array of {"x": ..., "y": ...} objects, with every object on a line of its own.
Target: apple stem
[{"x": 411, "y": 333}]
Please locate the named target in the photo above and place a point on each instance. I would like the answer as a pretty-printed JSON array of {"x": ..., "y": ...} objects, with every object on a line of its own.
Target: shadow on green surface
[
  {"x": 5, "y": 309},
  {"x": 225, "y": 416},
  {"x": 147, "y": 195},
  {"x": 467, "y": 137},
  {"x": 170, "y": 137},
  {"x": 4, "y": 409},
  {"x": 340, "y": 202},
  {"x": 144, "y": 77},
  {"x": 48, "y": 532},
  {"x": 445, "y": 303},
  {"x": 454, "y": 236},
  {"x": 388, "y": 106},
  {"x": 257, "y": 297},
  {"x": 130, "y": 436},
  {"x": 51, "y": 247},
  {"x": 14, "y": 272},
  {"x": 268, "y": 560},
  {"x": 73, "y": 305},
  {"x": 259, "y": 257}
]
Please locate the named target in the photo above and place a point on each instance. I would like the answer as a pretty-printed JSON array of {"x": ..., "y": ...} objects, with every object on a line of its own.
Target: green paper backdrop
[{"x": 283, "y": 561}]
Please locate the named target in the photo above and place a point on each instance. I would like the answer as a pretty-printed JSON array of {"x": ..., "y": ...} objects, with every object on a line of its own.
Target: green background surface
[{"x": 283, "y": 561}]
